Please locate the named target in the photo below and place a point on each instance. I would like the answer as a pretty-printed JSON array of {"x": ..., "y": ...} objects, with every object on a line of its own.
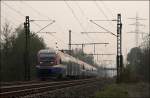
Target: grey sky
[{"x": 75, "y": 15}]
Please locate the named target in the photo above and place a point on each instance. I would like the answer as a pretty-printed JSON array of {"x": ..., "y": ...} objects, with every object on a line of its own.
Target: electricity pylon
[{"x": 137, "y": 31}]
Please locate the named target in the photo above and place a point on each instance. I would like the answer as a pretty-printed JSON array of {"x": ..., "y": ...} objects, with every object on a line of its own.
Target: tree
[
  {"x": 78, "y": 53},
  {"x": 14, "y": 46},
  {"x": 135, "y": 58},
  {"x": 139, "y": 62}
]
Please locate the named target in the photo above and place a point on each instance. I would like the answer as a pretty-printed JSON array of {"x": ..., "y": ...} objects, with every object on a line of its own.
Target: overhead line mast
[
  {"x": 119, "y": 57},
  {"x": 119, "y": 49},
  {"x": 27, "y": 48}
]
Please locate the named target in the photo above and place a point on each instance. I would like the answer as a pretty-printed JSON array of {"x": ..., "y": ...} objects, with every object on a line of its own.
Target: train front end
[{"x": 49, "y": 64}]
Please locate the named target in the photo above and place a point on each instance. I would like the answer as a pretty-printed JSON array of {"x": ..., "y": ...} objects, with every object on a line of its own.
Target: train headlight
[{"x": 52, "y": 62}]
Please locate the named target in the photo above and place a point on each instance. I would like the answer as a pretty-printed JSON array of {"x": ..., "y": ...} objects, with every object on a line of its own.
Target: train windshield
[
  {"x": 47, "y": 57},
  {"x": 47, "y": 54}
]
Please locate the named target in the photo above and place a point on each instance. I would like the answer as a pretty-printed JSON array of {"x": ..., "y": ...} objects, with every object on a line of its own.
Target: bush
[
  {"x": 129, "y": 75},
  {"x": 113, "y": 91},
  {"x": 13, "y": 54}
]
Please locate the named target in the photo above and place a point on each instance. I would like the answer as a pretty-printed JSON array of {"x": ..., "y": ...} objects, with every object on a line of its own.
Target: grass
[
  {"x": 113, "y": 91},
  {"x": 125, "y": 90}
]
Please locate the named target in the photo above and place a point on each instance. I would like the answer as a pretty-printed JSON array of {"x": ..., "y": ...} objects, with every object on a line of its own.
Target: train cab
[{"x": 48, "y": 64}]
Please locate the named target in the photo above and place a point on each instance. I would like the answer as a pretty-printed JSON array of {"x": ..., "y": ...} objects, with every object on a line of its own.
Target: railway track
[
  {"x": 14, "y": 91},
  {"x": 23, "y": 82}
]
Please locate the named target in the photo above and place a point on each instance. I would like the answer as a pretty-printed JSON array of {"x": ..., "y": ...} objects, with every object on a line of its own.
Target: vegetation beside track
[
  {"x": 125, "y": 90},
  {"x": 12, "y": 53}
]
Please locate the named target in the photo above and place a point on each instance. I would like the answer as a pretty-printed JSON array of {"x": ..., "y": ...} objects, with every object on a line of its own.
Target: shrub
[{"x": 112, "y": 91}]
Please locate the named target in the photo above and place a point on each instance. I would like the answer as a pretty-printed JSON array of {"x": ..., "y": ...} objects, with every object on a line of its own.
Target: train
[{"x": 54, "y": 64}]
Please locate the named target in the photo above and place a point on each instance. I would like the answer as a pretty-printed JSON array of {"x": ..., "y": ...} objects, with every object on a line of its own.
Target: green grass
[{"x": 113, "y": 91}]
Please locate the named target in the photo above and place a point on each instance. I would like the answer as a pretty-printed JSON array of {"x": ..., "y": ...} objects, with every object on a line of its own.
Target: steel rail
[
  {"x": 82, "y": 85},
  {"x": 4, "y": 84},
  {"x": 23, "y": 90},
  {"x": 37, "y": 83}
]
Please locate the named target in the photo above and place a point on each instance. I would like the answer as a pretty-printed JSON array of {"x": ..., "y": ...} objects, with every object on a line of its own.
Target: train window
[
  {"x": 83, "y": 67},
  {"x": 47, "y": 54},
  {"x": 60, "y": 61}
]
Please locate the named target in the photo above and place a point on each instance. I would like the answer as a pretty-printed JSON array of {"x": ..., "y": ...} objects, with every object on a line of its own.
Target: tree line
[
  {"x": 138, "y": 66},
  {"x": 78, "y": 53},
  {"x": 13, "y": 50},
  {"x": 13, "y": 53}
]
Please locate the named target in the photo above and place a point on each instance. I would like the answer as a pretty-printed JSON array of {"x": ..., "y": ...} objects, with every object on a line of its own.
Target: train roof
[{"x": 68, "y": 57}]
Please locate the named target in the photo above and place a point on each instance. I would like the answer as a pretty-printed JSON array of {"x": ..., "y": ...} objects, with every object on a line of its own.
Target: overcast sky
[{"x": 75, "y": 16}]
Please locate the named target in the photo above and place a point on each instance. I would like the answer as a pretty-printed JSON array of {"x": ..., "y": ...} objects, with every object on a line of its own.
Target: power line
[
  {"x": 102, "y": 54},
  {"x": 84, "y": 16},
  {"x": 94, "y": 32},
  {"x": 38, "y": 12},
  {"x": 101, "y": 10},
  {"x": 48, "y": 32},
  {"x": 31, "y": 20},
  {"x": 103, "y": 28},
  {"x": 88, "y": 22},
  {"x": 35, "y": 10},
  {"x": 74, "y": 15},
  {"x": 41, "y": 14},
  {"x": 4, "y": 18},
  {"x": 108, "y": 9},
  {"x": 83, "y": 44},
  {"x": 13, "y": 9},
  {"x": 137, "y": 25},
  {"x": 89, "y": 43},
  {"x": 13, "y": 18},
  {"x": 59, "y": 39},
  {"x": 46, "y": 26},
  {"x": 56, "y": 38},
  {"x": 17, "y": 12}
]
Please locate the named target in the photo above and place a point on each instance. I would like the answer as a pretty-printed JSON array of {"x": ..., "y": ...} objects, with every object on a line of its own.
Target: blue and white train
[{"x": 57, "y": 64}]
